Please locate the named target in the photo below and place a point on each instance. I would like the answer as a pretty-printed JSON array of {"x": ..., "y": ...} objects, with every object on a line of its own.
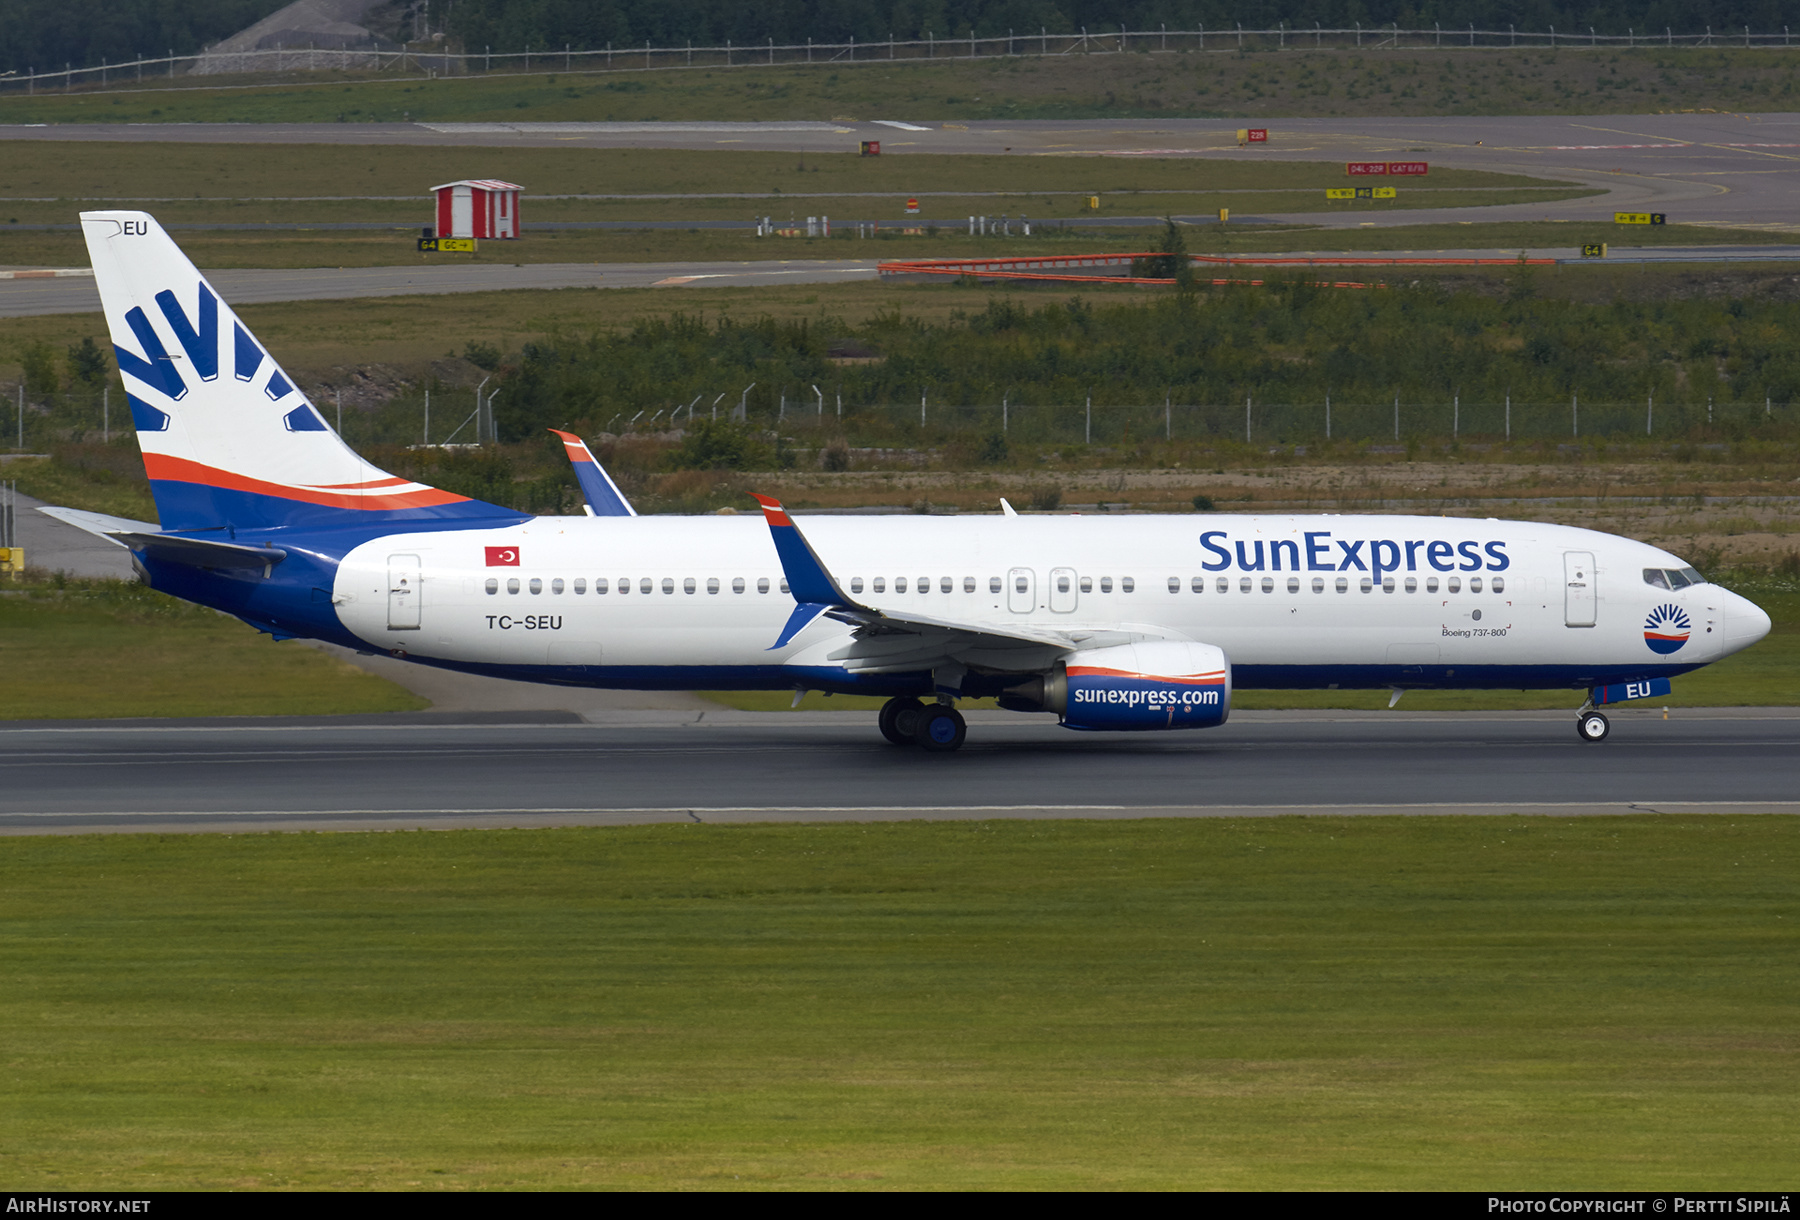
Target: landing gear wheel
[
  {"x": 941, "y": 729},
  {"x": 1592, "y": 726},
  {"x": 899, "y": 717}
]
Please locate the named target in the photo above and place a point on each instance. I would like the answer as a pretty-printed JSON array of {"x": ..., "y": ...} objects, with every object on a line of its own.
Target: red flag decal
[{"x": 502, "y": 556}]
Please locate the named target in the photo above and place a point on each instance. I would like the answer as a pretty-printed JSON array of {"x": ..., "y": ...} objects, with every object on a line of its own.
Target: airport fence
[
  {"x": 86, "y": 416},
  {"x": 432, "y": 60}
]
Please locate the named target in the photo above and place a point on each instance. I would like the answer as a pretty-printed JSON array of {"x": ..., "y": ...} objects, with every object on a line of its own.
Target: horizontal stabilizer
[
  {"x": 100, "y": 524},
  {"x": 202, "y": 552}
]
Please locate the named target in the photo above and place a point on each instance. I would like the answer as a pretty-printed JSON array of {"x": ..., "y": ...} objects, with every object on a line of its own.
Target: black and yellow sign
[
  {"x": 1638, "y": 218},
  {"x": 1594, "y": 250},
  {"x": 447, "y": 245},
  {"x": 1341, "y": 192}
]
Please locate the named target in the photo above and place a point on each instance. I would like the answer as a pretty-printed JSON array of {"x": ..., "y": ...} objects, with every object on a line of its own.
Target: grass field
[
  {"x": 1287, "y": 1003},
  {"x": 264, "y": 178},
  {"x": 81, "y": 649},
  {"x": 1372, "y": 83}
]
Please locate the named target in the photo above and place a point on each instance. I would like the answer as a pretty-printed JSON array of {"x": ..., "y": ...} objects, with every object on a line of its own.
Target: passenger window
[
  {"x": 1499, "y": 584},
  {"x": 1343, "y": 584},
  {"x": 899, "y": 584},
  {"x": 993, "y": 584},
  {"x": 946, "y": 585},
  {"x": 1020, "y": 584},
  {"x": 924, "y": 584},
  {"x": 1412, "y": 584},
  {"x": 688, "y": 585},
  {"x": 556, "y": 586},
  {"x": 1062, "y": 583},
  {"x": 624, "y": 585},
  {"x": 737, "y": 584},
  {"x": 1655, "y": 579},
  {"x": 1387, "y": 584},
  {"x": 1431, "y": 584},
  {"x": 668, "y": 584},
  {"x": 881, "y": 584},
  {"x": 968, "y": 584},
  {"x": 644, "y": 584},
  {"x": 1127, "y": 585},
  {"x": 1105, "y": 584},
  {"x": 712, "y": 584},
  {"x": 580, "y": 585},
  {"x": 1474, "y": 584},
  {"x": 1268, "y": 584},
  {"x": 1318, "y": 584},
  {"x": 1365, "y": 584},
  {"x": 1087, "y": 584},
  {"x": 536, "y": 586},
  {"x": 512, "y": 584},
  {"x": 784, "y": 587},
  {"x": 599, "y": 584},
  {"x": 493, "y": 586},
  {"x": 856, "y": 584},
  {"x": 1224, "y": 585},
  {"x": 1244, "y": 584},
  {"x": 762, "y": 584},
  {"x": 1454, "y": 584},
  {"x": 1198, "y": 584},
  {"x": 1293, "y": 584}
]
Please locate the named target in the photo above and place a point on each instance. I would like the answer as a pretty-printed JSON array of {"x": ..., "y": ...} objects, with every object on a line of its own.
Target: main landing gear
[
  {"x": 939, "y": 728},
  {"x": 1592, "y": 726}
]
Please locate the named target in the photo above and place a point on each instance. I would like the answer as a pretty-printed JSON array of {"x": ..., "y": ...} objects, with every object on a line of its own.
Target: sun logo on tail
[{"x": 1666, "y": 630}]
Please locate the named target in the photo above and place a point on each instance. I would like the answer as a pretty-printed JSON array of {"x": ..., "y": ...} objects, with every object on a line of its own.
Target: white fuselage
[{"x": 1293, "y": 600}]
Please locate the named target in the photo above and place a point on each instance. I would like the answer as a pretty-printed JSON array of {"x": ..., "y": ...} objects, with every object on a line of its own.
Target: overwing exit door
[
  {"x": 403, "y": 592},
  {"x": 1021, "y": 590},
  {"x": 1578, "y": 588}
]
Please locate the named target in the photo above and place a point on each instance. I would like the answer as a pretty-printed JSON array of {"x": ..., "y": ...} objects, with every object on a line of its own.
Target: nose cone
[{"x": 1745, "y": 623}]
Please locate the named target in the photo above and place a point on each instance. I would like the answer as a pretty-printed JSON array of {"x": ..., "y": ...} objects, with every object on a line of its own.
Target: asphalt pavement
[{"x": 442, "y": 770}]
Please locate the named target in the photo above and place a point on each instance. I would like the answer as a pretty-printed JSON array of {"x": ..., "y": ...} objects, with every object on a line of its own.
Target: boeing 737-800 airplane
[{"x": 1134, "y": 622}]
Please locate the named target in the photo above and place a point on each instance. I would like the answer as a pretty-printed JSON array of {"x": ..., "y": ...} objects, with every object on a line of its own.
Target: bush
[
  {"x": 1047, "y": 498},
  {"x": 1203, "y": 504}
]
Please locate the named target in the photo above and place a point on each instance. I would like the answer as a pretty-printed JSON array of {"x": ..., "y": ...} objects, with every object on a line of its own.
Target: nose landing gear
[
  {"x": 1592, "y": 726},
  {"x": 939, "y": 728}
]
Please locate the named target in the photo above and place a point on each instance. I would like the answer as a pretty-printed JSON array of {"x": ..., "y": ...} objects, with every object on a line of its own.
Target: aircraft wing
[
  {"x": 604, "y": 499},
  {"x": 888, "y": 642}
]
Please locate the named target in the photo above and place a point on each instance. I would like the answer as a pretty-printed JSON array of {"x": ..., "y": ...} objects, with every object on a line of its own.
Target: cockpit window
[{"x": 1672, "y": 578}]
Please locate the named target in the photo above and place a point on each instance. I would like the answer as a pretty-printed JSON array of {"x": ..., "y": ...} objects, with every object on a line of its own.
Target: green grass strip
[{"x": 1290, "y": 1003}]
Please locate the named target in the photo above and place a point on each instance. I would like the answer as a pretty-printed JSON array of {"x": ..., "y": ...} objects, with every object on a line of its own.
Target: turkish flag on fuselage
[{"x": 502, "y": 556}]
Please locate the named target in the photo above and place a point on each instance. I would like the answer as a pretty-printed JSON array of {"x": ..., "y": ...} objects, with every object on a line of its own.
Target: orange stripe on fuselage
[{"x": 181, "y": 470}]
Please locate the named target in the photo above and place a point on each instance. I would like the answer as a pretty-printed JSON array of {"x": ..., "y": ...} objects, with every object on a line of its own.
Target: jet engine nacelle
[{"x": 1133, "y": 687}]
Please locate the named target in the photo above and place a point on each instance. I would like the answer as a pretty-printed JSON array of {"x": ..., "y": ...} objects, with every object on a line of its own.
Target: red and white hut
[{"x": 478, "y": 207}]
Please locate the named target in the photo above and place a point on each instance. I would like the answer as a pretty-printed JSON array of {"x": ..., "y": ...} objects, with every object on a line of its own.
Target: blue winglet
[
  {"x": 797, "y": 622},
  {"x": 807, "y": 578},
  {"x": 603, "y": 496}
]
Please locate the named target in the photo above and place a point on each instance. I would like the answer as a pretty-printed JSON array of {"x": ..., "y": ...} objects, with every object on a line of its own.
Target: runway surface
[
  {"x": 1739, "y": 169},
  {"x": 247, "y": 286},
  {"x": 543, "y": 769}
]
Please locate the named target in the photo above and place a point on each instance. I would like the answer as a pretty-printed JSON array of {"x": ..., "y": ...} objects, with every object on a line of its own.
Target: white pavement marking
[{"x": 899, "y": 124}]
